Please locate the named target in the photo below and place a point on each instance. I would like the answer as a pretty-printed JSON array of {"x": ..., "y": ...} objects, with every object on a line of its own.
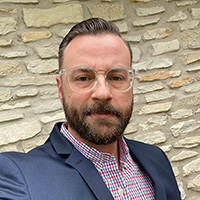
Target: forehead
[{"x": 100, "y": 48}]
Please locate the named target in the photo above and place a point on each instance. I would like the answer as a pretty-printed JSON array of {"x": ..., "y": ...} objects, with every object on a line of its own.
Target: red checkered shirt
[{"x": 125, "y": 183}]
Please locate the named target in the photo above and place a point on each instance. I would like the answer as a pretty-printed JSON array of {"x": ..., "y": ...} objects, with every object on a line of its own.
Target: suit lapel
[
  {"x": 85, "y": 167},
  {"x": 140, "y": 157},
  {"x": 89, "y": 174}
]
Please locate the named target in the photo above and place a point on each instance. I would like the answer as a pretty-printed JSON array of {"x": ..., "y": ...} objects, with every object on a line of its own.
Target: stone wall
[{"x": 165, "y": 39}]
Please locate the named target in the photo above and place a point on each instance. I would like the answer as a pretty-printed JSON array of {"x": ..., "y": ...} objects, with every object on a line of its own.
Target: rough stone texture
[
  {"x": 65, "y": 14},
  {"x": 164, "y": 47},
  {"x": 43, "y": 67},
  {"x": 157, "y": 33},
  {"x": 188, "y": 58},
  {"x": 154, "y": 122},
  {"x": 33, "y": 36},
  {"x": 188, "y": 142},
  {"x": 168, "y": 117},
  {"x": 181, "y": 82},
  {"x": 150, "y": 11},
  {"x": 156, "y": 108},
  {"x": 194, "y": 184},
  {"x": 182, "y": 113},
  {"x": 10, "y": 69},
  {"x": 155, "y": 137},
  {"x": 158, "y": 96},
  {"x": 108, "y": 12},
  {"x": 145, "y": 22},
  {"x": 184, "y": 127},
  {"x": 22, "y": 131},
  {"x": 178, "y": 17},
  {"x": 7, "y": 25},
  {"x": 193, "y": 166},
  {"x": 159, "y": 75},
  {"x": 183, "y": 155}
]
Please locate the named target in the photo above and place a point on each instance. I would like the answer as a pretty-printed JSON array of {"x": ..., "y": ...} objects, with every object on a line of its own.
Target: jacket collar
[{"x": 85, "y": 167}]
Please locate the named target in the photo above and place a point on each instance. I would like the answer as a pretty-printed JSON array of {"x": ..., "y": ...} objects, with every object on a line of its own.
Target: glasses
[{"x": 83, "y": 79}]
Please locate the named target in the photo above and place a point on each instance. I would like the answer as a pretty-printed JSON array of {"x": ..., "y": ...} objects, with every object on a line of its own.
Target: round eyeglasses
[{"x": 83, "y": 79}]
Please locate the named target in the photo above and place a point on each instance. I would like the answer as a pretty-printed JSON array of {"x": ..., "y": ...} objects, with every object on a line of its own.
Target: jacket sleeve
[{"x": 12, "y": 183}]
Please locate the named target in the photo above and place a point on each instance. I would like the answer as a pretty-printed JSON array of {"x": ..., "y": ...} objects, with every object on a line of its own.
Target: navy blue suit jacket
[{"x": 57, "y": 171}]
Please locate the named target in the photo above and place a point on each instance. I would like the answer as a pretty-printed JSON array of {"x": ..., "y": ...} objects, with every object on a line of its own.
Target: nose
[{"x": 102, "y": 92}]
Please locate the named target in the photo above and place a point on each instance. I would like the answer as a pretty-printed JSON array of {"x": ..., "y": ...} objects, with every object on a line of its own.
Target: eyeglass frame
[{"x": 64, "y": 72}]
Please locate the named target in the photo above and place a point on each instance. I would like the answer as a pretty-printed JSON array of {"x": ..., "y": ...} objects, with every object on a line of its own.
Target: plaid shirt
[{"x": 127, "y": 183}]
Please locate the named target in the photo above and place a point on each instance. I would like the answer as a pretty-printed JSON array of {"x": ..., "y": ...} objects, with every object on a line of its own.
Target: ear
[{"x": 59, "y": 86}]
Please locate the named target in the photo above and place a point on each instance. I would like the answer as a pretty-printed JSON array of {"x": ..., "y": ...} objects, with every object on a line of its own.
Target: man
[{"x": 87, "y": 157}]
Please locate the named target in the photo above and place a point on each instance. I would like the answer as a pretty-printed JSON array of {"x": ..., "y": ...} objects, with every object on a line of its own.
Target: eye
[
  {"x": 83, "y": 78},
  {"x": 116, "y": 78}
]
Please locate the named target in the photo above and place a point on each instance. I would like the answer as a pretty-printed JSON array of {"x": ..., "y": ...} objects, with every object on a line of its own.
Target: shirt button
[{"x": 120, "y": 191}]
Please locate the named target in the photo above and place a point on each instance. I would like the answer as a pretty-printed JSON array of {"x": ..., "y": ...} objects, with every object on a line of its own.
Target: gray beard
[{"x": 90, "y": 132}]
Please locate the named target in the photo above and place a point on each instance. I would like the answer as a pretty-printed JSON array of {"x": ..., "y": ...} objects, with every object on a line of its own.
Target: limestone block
[
  {"x": 49, "y": 93},
  {"x": 63, "y": 32},
  {"x": 133, "y": 38},
  {"x": 145, "y": 22},
  {"x": 153, "y": 122},
  {"x": 43, "y": 66},
  {"x": 5, "y": 43},
  {"x": 158, "y": 96},
  {"x": 188, "y": 58},
  {"x": 123, "y": 27},
  {"x": 190, "y": 38},
  {"x": 148, "y": 88},
  {"x": 10, "y": 115},
  {"x": 183, "y": 155},
  {"x": 14, "y": 106},
  {"x": 164, "y": 47},
  {"x": 193, "y": 88},
  {"x": 48, "y": 106},
  {"x": 14, "y": 133},
  {"x": 19, "y": 1},
  {"x": 195, "y": 12},
  {"x": 7, "y": 25},
  {"x": 5, "y": 95},
  {"x": 33, "y": 36},
  {"x": 56, "y": 117},
  {"x": 189, "y": 24},
  {"x": 144, "y": 1},
  {"x": 156, "y": 108},
  {"x": 184, "y": 127},
  {"x": 186, "y": 3},
  {"x": 131, "y": 128},
  {"x": 109, "y": 12},
  {"x": 137, "y": 54},
  {"x": 60, "y": 1},
  {"x": 194, "y": 184},
  {"x": 192, "y": 100},
  {"x": 155, "y": 137},
  {"x": 166, "y": 148},
  {"x": 192, "y": 69},
  {"x": 14, "y": 54},
  {"x": 7, "y": 69},
  {"x": 158, "y": 33},
  {"x": 176, "y": 171},
  {"x": 179, "y": 16},
  {"x": 30, "y": 80},
  {"x": 161, "y": 75},
  {"x": 47, "y": 51},
  {"x": 157, "y": 63},
  {"x": 193, "y": 166},
  {"x": 182, "y": 114},
  {"x": 66, "y": 14},
  {"x": 9, "y": 10},
  {"x": 188, "y": 142},
  {"x": 150, "y": 10},
  {"x": 181, "y": 82},
  {"x": 27, "y": 92},
  {"x": 182, "y": 191}
]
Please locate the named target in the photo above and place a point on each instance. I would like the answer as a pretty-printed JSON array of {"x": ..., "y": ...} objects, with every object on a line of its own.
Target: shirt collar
[{"x": 98, "y": 158}]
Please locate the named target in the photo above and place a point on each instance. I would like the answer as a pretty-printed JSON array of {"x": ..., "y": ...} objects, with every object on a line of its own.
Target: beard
[{"x": 100, "y": 131}]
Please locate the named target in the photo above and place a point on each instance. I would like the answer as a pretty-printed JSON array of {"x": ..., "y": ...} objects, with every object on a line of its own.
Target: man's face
[{"x": 98, "y": 116}]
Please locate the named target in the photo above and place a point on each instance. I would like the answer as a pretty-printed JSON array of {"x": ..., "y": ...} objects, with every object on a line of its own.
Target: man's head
[{"x": 95, "y": 84}]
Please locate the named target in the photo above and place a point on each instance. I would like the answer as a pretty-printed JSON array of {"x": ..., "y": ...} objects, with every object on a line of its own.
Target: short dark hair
[{"x": 92, "y": 26}]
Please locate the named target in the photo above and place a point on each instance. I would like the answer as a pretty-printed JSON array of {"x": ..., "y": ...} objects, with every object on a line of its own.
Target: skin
[{"x": 101, "y": 53}]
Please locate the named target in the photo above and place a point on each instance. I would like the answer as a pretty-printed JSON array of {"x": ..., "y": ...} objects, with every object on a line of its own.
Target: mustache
[{"x": 99, "y": 108}]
